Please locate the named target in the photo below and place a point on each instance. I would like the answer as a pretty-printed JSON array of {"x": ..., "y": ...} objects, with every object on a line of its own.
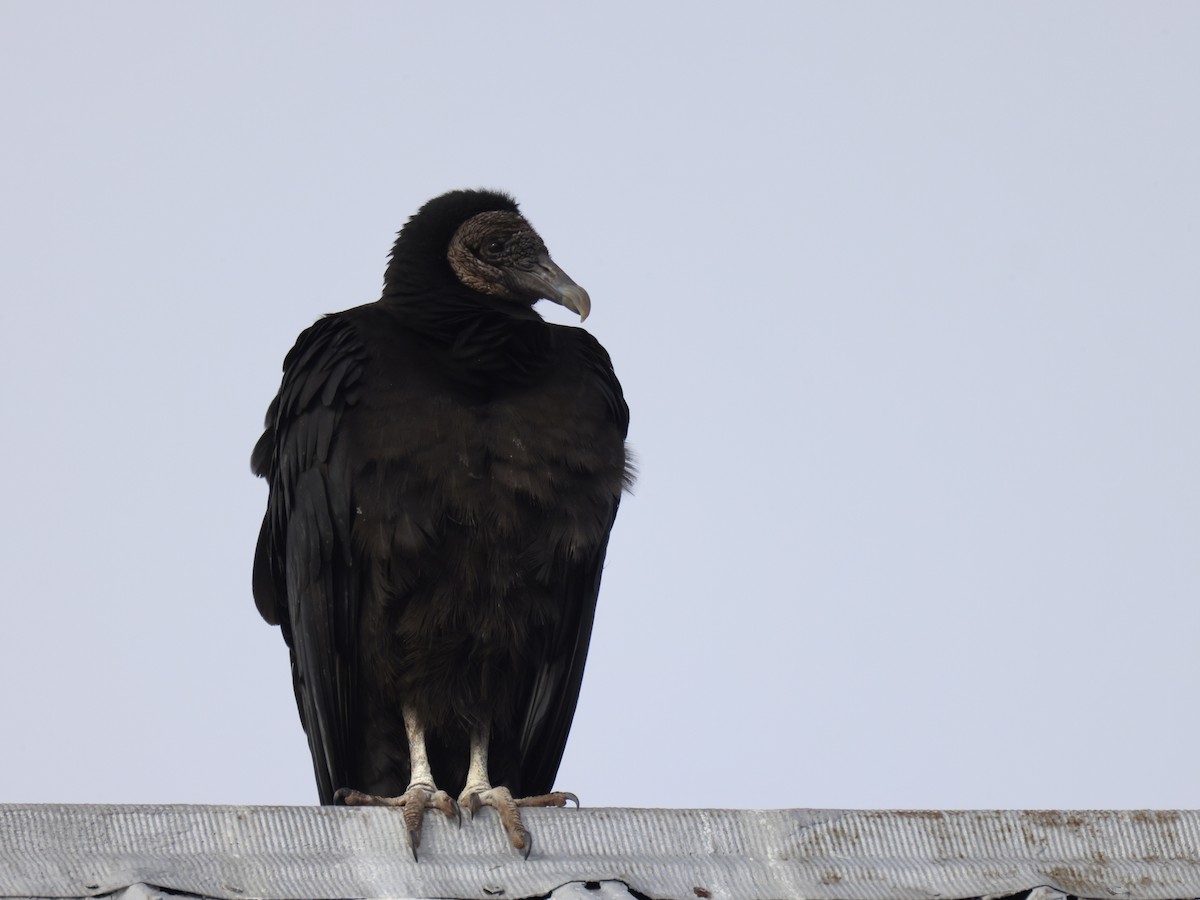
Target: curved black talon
[
  {"x": 528, "y": 845},
  {"x": 414, "y": 841}
]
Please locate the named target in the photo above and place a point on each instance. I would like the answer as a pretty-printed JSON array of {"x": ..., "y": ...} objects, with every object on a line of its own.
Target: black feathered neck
[
  {"x": 418, "y": 261},
  {"x": 486, "y": 338}
]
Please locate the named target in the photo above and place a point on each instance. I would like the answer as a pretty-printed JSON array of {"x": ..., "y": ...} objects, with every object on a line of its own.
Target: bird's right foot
[
  {"x": 414, "y": 801},
  {"x": 474, "y": 798}
]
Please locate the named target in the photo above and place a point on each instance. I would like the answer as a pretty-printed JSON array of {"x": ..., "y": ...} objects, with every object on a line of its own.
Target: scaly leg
[
  {"x": 479, "y": 792},
  {"x": 421, "y": 794}
]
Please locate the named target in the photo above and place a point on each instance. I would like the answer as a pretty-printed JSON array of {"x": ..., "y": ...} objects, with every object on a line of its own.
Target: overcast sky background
[{"x": 906, "y": 303}]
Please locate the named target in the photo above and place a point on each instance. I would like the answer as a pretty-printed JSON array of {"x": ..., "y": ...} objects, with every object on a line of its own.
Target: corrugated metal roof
[{"x": 326, "y": 852}]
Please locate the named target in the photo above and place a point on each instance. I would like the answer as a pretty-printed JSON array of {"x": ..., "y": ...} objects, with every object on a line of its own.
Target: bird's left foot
[
  {"x": 508, "y": 807},
  {"x": 414, "y": 801}
]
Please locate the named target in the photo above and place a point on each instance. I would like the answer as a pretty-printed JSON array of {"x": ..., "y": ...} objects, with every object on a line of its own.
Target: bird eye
[{"x": 495, "y": 246}]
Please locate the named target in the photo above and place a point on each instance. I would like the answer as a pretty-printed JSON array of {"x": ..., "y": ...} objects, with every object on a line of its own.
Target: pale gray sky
[{"x": 906, "y": 303}]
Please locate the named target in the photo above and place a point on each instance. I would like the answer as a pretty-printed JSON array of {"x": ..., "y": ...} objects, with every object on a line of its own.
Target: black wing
[
  {"x": 554, "y": 691},
  {"x": 303, "y": 572}
]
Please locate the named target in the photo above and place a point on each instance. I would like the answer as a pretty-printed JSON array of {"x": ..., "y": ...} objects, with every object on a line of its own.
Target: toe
[
  {"x": 501, "y": 800},
  {"x": 441, "y": 800},
  {"x": 349, "y": 797},
  {"x": 415, "y": 800},
  {"x": 556, "y": 798},
  {"x": 469, "y": 800}
]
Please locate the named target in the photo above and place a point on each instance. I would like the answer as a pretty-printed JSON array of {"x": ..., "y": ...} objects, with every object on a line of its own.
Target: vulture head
[{"x": 479, "y": 241}]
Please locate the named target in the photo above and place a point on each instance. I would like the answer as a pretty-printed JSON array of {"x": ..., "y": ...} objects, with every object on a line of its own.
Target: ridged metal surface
[{"x": 313, "y": 852}]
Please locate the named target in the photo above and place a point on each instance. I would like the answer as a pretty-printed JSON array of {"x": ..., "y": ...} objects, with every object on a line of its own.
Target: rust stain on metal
[
  {"x": 1074, "y": 881},
  {"x": 1054, "y": 818},
  {"x": 830, "y": 878},
  {"x": 848, "y": 836},
  {"x": 703, "y": 893},
  {"x": 1155, "y": 816}
]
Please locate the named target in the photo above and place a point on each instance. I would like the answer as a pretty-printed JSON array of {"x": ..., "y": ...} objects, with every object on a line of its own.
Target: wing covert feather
[
  {"x": 554, "y": 692},
  {"x": 303, "y": 578}
]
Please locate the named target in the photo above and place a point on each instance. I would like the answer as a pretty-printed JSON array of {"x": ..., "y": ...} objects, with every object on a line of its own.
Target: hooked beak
[{"x": 546, "y": 281}]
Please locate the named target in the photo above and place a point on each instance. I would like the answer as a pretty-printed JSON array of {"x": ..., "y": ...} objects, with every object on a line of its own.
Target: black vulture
[{"x": 444, "y": 470}]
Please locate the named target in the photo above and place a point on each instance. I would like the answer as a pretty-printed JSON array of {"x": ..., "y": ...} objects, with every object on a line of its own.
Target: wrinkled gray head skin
[{"x": 499, "y": 254}]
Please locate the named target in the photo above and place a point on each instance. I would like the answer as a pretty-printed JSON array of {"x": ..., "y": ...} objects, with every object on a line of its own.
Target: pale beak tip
[{"x": 577, "y": 299}]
